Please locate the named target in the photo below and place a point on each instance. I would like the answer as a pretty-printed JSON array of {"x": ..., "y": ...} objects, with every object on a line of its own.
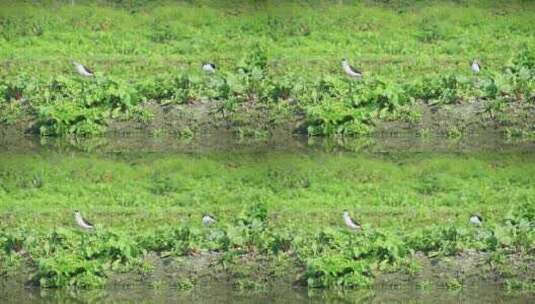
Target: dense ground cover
[
  {"x": 278, "y": 63},
  {"x": 281, "y": 210},
  {"x": 277, "y": 60}
]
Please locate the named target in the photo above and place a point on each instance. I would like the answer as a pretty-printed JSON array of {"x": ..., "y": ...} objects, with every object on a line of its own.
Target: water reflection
[
  {"x": 210, "y": 143},
  {"x": 222, "y": 295}
]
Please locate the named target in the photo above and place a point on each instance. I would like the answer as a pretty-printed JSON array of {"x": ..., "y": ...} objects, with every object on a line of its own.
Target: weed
[
  {"x": 280, "y": 210},
  {"x": 272, "y": 80},
  {"x": 454, "y": 284}
]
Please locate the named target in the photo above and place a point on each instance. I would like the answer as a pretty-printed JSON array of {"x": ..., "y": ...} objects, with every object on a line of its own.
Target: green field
[
  {"x": 390, "y": 41},
  {"x": 279, "y": 58},
  {"x": 280, "y": 209}
]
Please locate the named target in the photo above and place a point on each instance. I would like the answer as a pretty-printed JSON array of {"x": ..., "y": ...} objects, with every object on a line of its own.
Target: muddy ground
[
  {"x": 203, "y": 118},
  {"x": 468, "y": 269}
]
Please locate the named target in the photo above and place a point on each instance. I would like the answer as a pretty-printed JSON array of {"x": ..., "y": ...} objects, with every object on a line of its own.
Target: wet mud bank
[
  {"x": 197, "y": 119},
  {"x": 469, "y": 269}
]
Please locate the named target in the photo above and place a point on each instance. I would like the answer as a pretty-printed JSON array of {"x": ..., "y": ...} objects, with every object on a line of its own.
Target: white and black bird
[
  {"x": 83, "y": 223},
  {"x": 351, "y": 71},
  {"x": 476, "y": 219},
  {"x": 208, "y": 219},
  {"x": 82, "y": 69},
  {"x": 476, "y": 67},
  {"x": 209, "y": 67},
  {"x": 351, "y": 223}
]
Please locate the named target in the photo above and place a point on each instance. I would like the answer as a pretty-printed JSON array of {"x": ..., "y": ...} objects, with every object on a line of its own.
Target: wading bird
[
  {"x": 208, "y": 67},
  {"x": 351, "y": 71},
  {"x": 351, "y": 223},
  {"x": 82, "y": 69},
  {"x": 19, "y": 97},
  {"x": 83, "y": 223},
  {"x": 476, "y": 219},
  {"x": 208, "y": 219},
  {"x": 476, "y": 68}
]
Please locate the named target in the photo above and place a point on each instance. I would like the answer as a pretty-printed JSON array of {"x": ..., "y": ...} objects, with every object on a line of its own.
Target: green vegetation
[
  {"x": 277, "y": 61},
  {"x": 279, "y": 208},
  {"x": 278, "y": 69}
]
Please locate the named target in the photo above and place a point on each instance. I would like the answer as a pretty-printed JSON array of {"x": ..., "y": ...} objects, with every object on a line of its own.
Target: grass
[
  {"x": 273, "y": 57},
  {"x": 267, "y": 204},
  {"x": 285, "y": 182},
  {"x": 388, "y": 41},
  {"x": 278, "y": 62}
]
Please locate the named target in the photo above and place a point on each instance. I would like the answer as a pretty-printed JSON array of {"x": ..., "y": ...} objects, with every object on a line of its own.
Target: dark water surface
[
  {"x": 221, "y": 295},
  {"x": 212, "y": 143}
]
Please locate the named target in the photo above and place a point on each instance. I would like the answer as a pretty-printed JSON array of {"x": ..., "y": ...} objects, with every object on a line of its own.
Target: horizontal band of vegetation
[
  {"x": 135, "y": 39},
  {"x": 330, "y": 105},
  {"x": 276, "y": 205},
  {"x": 330, "y": 258},
  {"x": 279, "y": 59}
]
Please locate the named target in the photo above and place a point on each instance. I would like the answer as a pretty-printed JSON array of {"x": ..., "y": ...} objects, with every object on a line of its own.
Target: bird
[
  {"x": 208, "y": 67},
  {"x": 351, "y": 223},
  {"x": 476, "y": 68},
  {"x": 476, "y": 219},
  {"x": 19, "y": 97},
  {"x": 207, "y": 219},
  {"x": 83, "y": 223},
  {"x": 351, "y": 71},
  {"x": 83, "y": 70}
]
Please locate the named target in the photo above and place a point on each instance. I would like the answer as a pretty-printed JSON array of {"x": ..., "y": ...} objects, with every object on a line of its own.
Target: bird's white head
[{"x": 345, "y": 212}]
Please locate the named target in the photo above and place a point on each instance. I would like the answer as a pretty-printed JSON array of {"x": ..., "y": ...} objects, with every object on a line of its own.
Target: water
[
  {"x": 395, "y": 150},
  {"x": 211, "y": 143},
  {"x": 482, "y": 294}
]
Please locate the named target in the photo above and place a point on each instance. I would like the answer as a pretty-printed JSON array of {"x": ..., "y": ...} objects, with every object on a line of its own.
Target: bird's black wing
[
  {"x": 355, "y": 69},
  {"x": 88, "y": 69},
  {"x": 87, "y": 222}
]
